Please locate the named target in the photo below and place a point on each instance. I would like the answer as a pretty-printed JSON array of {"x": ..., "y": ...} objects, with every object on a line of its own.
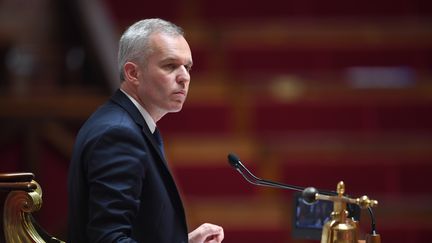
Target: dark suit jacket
[{"x": 120, "y": 189}]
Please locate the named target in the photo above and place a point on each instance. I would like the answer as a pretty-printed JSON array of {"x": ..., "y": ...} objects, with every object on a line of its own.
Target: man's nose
[{"x": 183, "y": 75}]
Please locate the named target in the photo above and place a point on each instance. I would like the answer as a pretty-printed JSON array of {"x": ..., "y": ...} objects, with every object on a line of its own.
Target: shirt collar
[{"x": 148, "y": 119}]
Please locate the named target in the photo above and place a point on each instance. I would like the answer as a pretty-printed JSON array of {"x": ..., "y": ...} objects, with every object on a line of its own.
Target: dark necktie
[{"x": 159, "y": 141}]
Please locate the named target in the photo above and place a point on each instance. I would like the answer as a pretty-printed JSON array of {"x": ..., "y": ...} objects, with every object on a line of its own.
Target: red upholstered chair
[{"x": 20, "y": 196}]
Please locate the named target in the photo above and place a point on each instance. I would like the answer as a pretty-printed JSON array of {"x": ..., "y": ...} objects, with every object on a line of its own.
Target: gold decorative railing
[{"x": 23, "y": 198}]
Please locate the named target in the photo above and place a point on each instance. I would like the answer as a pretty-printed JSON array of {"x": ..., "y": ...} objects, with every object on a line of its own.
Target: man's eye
[{"x": 170, "y": 66}]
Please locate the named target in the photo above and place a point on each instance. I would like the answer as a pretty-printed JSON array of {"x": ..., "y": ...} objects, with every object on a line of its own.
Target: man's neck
[
  {"x": 132, "y": 92},
  {"x": 151, "y": 123}
]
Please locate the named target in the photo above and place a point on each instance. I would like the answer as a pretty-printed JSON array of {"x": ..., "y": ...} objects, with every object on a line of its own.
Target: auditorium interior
[{"x": 307, "y": 93}]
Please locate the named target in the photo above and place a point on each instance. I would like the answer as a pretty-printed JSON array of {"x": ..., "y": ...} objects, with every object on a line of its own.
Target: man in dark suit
[{"x": 120, "y": 187}]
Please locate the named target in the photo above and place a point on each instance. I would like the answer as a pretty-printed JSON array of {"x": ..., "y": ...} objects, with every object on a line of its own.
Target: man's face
[{"x": 164, "y": 78}]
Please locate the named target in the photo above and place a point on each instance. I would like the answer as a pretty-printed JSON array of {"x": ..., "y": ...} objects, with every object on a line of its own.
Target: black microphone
[
  {"x": 251, "y": 178},
  {"x": 308, "y": 193}
]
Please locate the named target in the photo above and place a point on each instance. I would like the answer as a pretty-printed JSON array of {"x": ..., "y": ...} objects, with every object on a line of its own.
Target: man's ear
[{"x": 131, "y": 72}]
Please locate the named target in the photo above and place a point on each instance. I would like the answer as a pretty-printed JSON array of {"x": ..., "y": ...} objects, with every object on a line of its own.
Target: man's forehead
[{"x": 172, "y": 48}]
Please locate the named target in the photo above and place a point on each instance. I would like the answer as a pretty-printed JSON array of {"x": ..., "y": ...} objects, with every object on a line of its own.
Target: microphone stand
[{"x": 341, "y": 228}]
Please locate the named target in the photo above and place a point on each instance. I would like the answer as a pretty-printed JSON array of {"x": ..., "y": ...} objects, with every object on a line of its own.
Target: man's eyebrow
[
  {"x": 169, "y": 59},
  {"x": 173, "y": 59}
]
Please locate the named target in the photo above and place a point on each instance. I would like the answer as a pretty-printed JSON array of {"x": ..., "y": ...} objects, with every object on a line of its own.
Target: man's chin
[{"x": 176, "y": 108}]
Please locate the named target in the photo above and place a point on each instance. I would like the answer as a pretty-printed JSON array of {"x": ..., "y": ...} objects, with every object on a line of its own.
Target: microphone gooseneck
[
  {"x": 235, "y": 162},
  {"x": 308, "y": 194},
  {"x": 373, "y": 224}
]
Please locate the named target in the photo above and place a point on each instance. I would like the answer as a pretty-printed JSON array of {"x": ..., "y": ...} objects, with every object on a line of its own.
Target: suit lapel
[
  {"x": 169, "y": 181},
  {"x": 122, "y": 100}
]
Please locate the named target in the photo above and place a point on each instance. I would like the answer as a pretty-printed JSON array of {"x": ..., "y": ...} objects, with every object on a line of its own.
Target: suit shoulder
[{"x": 108, "y": 117}]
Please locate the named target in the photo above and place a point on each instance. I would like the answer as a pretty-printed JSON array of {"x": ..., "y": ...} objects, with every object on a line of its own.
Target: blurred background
[{"x": 304, "y": 92}]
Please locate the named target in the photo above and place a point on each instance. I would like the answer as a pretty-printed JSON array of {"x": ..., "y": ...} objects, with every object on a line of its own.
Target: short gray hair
[{"x": 134, "y": 43}]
